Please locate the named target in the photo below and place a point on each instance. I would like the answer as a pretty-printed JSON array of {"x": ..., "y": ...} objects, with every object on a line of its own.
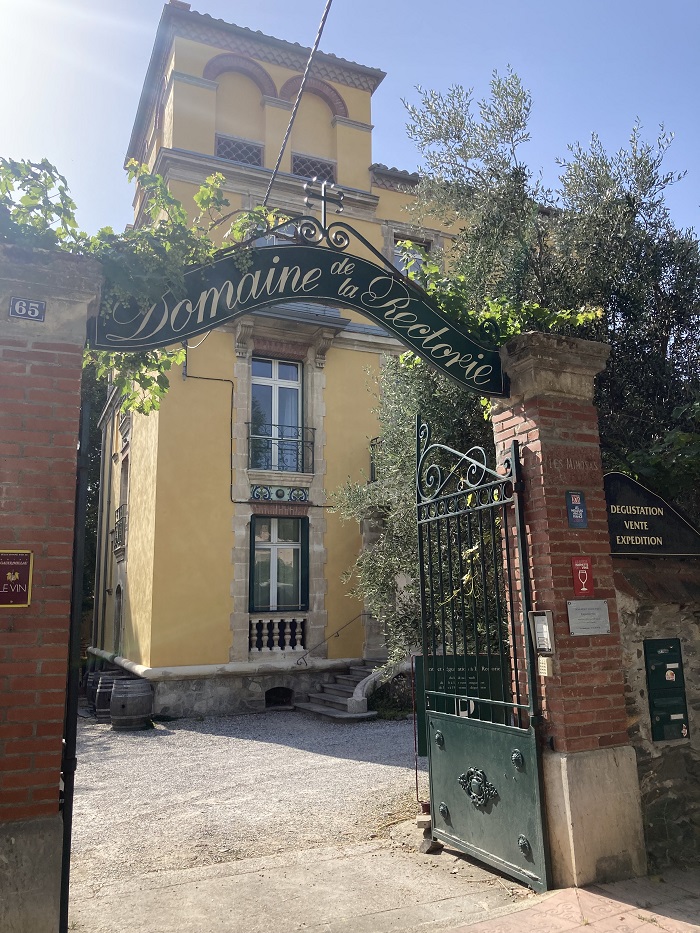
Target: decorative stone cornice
[
  {"x": 277, "y": 102},
  {"x": 280, "y": 349},
  {"x": 192, "y": 79},
  {"x": 353, "y": 124},
  {"x": 288, "y": 192},
  {"x": 322, "y": 345},
  {"x": 201, "y": 27},
  {"x": 227, "y": 37},
  {"x": 550, "y": 365},
  {"x": 244, "y": 332}
]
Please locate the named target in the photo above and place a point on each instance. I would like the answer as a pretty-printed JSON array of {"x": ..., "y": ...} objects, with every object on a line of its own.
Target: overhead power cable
[{"x": 297, "y": 101}]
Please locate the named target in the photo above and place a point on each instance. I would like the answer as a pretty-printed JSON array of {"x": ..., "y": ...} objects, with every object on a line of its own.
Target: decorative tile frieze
[
  {"x": 260, "y": 493},
  {"x": 232, "y": 38},
  {"x": 392, "y": 179}
]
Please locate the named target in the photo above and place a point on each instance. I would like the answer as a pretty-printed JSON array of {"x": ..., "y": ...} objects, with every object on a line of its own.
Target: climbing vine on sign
[{"x": 141, "y": 263}]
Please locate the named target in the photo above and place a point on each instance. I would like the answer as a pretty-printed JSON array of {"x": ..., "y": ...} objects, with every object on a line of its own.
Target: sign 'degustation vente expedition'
[{"x": 643, "y": 524}]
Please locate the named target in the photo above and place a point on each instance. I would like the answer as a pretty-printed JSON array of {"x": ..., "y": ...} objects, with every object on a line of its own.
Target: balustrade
[{"x": 278, "y": 635}]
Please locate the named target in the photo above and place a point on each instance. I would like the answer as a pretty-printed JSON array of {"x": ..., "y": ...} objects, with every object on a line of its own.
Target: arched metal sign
[{"x": 309, "y": 263}]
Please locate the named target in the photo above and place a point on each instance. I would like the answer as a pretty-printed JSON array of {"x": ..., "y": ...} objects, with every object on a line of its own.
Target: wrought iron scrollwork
[
  {"x": 443, "y": 471},
  {"x": 480, "y": 790}
]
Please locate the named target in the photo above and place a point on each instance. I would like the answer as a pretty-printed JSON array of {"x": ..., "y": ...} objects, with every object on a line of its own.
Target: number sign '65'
[{"x": 27, "y": 309}]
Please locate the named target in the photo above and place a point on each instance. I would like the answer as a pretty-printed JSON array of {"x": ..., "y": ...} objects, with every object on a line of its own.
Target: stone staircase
[{"x": 332, "y": 701}]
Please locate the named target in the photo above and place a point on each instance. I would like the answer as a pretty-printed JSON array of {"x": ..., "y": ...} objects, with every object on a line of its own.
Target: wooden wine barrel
[
  {"x": 131, "y": 706},
  {"x": 103, "y": 694}
]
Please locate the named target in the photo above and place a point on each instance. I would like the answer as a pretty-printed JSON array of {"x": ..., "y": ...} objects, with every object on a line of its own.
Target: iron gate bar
[
  {"x": 478, "y": 659},
  {"x": 451, "y": 507}
]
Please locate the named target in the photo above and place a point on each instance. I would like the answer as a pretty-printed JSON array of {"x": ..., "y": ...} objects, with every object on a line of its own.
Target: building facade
[{"x": 222, "y": 573}]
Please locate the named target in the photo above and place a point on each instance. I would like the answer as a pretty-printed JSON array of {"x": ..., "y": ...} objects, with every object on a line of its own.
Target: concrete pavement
[{"x": 380, "y": 886}]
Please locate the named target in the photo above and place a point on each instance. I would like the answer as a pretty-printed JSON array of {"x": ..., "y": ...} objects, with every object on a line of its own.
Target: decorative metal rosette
[{"x": 480, "y": 790}]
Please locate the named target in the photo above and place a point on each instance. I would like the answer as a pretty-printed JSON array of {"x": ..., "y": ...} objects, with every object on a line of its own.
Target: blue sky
[{"x": 71, "y": 72}]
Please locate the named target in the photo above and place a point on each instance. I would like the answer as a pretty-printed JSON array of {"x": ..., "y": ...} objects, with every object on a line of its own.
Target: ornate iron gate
[{"x": 478, "y": 659}]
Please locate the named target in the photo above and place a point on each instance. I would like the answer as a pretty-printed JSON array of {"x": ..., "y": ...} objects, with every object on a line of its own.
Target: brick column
[
  {"x": 40, "y": 372},
  {"x": 591, "y": 785}
]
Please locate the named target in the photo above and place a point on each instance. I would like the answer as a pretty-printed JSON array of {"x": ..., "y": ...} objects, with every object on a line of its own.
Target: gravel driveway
[{"x": 198, "y": 792}]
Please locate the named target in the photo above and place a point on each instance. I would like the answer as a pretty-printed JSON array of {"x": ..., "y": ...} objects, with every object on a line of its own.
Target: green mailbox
[{"x": 666, "y": 686}]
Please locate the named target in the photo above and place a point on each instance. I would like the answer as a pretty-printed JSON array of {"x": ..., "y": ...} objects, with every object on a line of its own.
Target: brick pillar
[
  {"x": 40, "y": 372},
  {"x": 591, "y": 786}
]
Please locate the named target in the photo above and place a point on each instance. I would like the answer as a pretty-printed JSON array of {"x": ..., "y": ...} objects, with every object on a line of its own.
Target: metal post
[{"x": 68, "y": 763}]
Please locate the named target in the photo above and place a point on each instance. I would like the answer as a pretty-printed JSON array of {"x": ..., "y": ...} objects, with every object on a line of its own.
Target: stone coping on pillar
[{"x": 552, "y": 365}]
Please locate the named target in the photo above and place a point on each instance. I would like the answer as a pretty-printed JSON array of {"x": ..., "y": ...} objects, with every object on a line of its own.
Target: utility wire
[{"x": 297, "y": 101}]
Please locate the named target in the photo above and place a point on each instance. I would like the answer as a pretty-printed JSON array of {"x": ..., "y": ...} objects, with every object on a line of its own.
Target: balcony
[
  {"x": 275, "y": 636},
  {"x": 119, "y": 536},
  {"x": 278, "y": 447}
]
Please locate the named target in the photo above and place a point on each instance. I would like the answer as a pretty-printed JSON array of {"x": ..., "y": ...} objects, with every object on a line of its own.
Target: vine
[{"x": 141, "y": 264}]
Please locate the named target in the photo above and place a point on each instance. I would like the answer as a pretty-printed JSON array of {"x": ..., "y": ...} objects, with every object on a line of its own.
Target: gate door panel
[{"x": 478, "y": 660}]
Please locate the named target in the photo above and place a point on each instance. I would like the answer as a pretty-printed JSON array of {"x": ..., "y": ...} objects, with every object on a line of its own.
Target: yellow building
[{"x": 221, "y": 572}]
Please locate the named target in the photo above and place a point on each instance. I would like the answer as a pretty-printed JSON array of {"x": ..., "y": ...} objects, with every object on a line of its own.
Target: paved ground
[
  {"x": 668, "y": 902},
  {"x": 282, "y": 824}
]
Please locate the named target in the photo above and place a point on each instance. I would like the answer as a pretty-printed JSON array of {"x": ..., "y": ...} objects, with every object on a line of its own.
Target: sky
[{"x": 71, "y": 73}]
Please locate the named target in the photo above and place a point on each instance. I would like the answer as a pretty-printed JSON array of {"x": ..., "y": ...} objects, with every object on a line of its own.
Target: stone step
[
  {"x": 345, "y": 680},
  {"x": 360, "y": 672},
  {"x": 340, "y": 690},
  {"x": 329, "y": 700},
  {"x": 337, "y": 715}
]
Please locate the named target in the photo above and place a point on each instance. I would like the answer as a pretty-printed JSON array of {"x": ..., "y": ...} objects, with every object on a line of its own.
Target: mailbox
[
  {"x": 664, "y": 664},
  {"x": 669, "y": 717},
  {"x": 666, "y": 686}
]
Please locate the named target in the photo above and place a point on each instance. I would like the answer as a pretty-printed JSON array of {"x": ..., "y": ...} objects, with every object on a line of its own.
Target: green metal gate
[{"x": 478, "y": 660}]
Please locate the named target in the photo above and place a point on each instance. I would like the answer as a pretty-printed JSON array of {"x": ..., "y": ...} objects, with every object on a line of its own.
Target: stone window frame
[{"x": 303, "y": 548}]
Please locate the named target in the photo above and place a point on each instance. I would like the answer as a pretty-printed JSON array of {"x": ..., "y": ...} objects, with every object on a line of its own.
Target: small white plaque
[{"x": 588, "y": 616}]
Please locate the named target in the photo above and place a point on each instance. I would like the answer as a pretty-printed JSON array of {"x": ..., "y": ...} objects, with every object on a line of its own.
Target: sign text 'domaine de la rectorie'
[{"x": 221, "y": 293}]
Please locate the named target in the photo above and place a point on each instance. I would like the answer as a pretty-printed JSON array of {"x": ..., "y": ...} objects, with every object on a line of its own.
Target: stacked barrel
[{"x": 118, "y": 698}]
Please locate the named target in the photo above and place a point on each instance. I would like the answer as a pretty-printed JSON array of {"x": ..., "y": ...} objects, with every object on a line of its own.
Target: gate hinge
[
  {"x": 519, "y": 486},
  {"x": 69, "y": 765}
]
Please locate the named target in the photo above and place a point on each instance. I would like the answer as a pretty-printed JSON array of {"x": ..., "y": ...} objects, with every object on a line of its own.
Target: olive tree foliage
[
  {"x": 386, "y": 573},
  {"x": 601, "y": 241},
  {"x": 603, "y": 236}
]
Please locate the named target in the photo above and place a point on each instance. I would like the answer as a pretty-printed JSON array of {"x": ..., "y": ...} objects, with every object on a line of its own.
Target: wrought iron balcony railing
[
  {"x": 280, "y": 447},
  {"x": 119, "y": 539}
]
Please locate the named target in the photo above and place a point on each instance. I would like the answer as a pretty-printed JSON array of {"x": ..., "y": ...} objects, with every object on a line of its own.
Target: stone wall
[
  {"x": 660, "y": 598},
  {"x": 232, "y": 694}
]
